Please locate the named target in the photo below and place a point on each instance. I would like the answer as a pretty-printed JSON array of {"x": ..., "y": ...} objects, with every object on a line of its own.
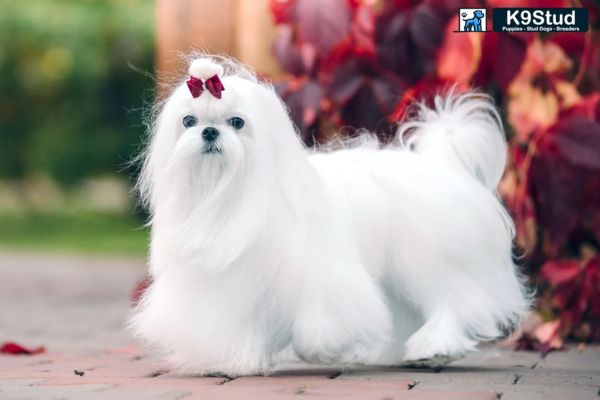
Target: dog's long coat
[{"x": 362, "y": 255}]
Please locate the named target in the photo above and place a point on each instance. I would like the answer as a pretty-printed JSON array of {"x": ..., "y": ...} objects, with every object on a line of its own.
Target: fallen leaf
[
  {"x": 548, "y": 335},
  {"x": 16, "y": 349},
  {"x": 139, "y": 289}
]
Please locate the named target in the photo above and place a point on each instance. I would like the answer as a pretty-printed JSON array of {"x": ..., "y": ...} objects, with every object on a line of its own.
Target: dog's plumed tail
[{"x": 464, "y": 130}]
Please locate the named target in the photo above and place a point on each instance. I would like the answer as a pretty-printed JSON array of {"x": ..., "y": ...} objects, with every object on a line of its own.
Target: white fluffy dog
[{"x": 365, "y": 255}]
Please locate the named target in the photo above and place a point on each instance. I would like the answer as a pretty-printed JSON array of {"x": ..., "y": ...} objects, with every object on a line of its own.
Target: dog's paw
[
  {"x": 439, "y": 339},
  {"x": 430, "y": 353},
  {"x": 333, "y": 350},
  {"x": 436, "y": 363},
  {"x": 327, "y": 341}
]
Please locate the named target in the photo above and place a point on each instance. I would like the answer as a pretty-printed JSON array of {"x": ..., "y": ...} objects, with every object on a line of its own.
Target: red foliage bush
[{"x": 360, "y": 63}]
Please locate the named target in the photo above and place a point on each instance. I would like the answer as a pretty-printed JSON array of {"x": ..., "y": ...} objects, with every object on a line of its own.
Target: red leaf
[
  {"x": 449, "y": 8},
  {"x": 596, "y": 226},
  {"x": 426, "y": 28},
  {"x": 140, "y": 289},
  {"x": 346, "y": 81},
  {"x": 591, "y": 285},
  {"x": 569, "y": 319},
  {"x": 564, "y": 295},
  {"x": 371, "y": 104},
  {"x": 501, "y": 59},
  {"x": 401, "y": 4},
  {"x": 308, "y": 55},
  {"x": 578, "y": 140},
  {"x": 594, "y": 10},
  {"x": 558, "y": 190},
  {"x": 362, "y": 110},
  {"x": 459, "y": 56},
  {"x": 564, "y": 176},
  {"x": 363, "y": 30},
  {"x": 385, "y": 93},
  {"x": 304, "y": 104},
  {"x": 323, "y": 23},
  {"x": 286, "y": 52},
  {"x": 15, "y": 349},
  {"x": 282, "y": 11},
  {"x": 559, "y": 272},
  {"x": 530, "y": 3},
  {"x": 407, "y": 40},
  {"x": 571, "y": 42},
  {"x": 588, "y": 107},
  {"x": 510, "y": 53},
  {"x": 548, "y": 335}
]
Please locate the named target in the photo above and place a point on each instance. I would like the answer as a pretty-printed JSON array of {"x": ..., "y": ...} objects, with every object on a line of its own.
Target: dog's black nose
[{"x": 209, "y": 134}]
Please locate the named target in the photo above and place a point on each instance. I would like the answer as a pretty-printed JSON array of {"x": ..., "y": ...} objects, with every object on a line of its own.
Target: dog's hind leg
[{"x": 461, "y": 305}]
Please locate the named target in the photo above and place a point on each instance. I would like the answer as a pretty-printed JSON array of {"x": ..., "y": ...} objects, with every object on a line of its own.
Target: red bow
[{"x": 213, "y": 85}]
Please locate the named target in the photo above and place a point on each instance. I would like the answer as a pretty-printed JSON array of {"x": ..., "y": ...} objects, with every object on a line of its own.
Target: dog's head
[{"x": 219, "y": 128}]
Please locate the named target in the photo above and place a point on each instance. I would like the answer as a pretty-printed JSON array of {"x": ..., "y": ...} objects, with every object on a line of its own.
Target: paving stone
[
  {"x": 545, "y": 393},
  {"x": 87, "y": 392},
  {"x": 76, "y": 307},
  {"x": 586, "y": 358}
]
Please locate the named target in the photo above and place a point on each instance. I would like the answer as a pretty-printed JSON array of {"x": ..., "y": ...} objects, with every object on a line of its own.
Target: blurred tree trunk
[{"x": 241, "y": 28}]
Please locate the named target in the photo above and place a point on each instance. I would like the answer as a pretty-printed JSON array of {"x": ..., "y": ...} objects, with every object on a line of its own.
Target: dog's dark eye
[
  {"x": 189, "y": 121},
  {"x": 236, "y": 122}
]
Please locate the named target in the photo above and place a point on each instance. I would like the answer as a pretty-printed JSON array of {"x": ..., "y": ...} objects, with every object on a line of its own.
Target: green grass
[{"x": 80, "y": 232}]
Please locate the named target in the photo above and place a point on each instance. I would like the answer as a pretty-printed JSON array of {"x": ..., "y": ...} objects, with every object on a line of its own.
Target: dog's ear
[
  {"x": 296, "y": 177},
  {"x": 161, "y": 141}
]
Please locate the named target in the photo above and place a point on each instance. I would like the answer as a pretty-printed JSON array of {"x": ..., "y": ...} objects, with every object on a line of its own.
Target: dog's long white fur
[{"x": 368, "y": 254}]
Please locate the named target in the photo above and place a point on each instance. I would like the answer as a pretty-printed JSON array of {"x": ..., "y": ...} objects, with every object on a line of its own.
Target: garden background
[{"x": 76, "y": 78}]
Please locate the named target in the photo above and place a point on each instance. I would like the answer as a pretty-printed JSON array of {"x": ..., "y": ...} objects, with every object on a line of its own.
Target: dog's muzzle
[{"x": 210, "y": 136}]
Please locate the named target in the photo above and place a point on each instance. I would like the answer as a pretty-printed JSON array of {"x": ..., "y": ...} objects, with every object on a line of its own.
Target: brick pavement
[{"x": 75, "y": 306}]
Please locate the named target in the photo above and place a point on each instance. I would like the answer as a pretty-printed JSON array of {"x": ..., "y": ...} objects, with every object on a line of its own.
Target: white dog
[{"x": 365, "y": 255}]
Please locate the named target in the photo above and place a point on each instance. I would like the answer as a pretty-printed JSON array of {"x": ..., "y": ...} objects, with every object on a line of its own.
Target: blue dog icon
[{"x": 474, "y": 24}]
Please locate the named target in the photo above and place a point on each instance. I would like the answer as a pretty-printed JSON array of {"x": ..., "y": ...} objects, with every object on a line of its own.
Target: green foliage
[
  {"x": 70, "y": 103},
  {"x": 76, "y": 231}
]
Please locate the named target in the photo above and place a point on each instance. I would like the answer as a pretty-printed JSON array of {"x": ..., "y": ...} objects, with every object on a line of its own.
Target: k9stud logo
[{"x": 472, "y": 20}]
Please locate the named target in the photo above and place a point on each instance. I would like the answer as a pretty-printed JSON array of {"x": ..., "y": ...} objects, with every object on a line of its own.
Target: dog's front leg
[{"x": 341, "y": 318}]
